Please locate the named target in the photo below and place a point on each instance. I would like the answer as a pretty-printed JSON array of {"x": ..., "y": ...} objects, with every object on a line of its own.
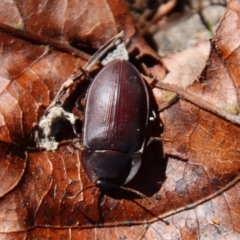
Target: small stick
[
  {"x": 235, "y": 119},
  {"x": 93, "y": 60},
  {"x": 162, "y": 11}
]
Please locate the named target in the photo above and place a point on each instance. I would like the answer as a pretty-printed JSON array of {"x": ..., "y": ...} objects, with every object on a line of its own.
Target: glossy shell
[{"x": 115, "y": 122}]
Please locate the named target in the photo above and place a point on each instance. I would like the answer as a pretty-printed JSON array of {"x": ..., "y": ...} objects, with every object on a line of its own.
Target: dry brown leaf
[
  {"x": 39, "y": 189},
  {"x": 196, "y": 198}
]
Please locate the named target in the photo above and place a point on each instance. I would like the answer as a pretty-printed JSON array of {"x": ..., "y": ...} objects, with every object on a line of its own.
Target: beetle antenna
[
  {"x": 136, "y": 192},
  {"x": 91, "y": 186}
]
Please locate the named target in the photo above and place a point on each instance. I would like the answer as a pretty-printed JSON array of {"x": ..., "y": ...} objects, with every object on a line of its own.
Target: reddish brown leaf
[
  {"x": 27, "y": 75},
  {"x": 208, "y": 144},
  {"x": 12, "y": 165},
  {"x": 199, "y": 193},
  {"x": 31, "y": 75}
]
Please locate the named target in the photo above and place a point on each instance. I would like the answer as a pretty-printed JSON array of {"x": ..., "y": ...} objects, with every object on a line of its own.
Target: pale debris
[
  {"x": 45, "y": 136},
  {"x": 119, "y": 53}
]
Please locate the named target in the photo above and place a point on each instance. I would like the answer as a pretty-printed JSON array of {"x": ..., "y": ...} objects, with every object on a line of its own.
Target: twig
[
  {"x": 235, "y": 119},
  {"x": 44, "y": 40},
  {"x": 163, "y": 10},
  {"x": 93, "y": 60}
]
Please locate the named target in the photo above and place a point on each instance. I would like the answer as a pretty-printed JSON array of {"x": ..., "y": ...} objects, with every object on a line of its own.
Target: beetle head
[{"x": 107, "y": 185}]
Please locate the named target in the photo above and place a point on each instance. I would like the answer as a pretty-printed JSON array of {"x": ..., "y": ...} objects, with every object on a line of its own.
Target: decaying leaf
[{"x": 191, "y": 178}]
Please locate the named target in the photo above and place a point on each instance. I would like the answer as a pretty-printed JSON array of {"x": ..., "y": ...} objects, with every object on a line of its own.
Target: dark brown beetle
[{"x": 114, "y": 129}]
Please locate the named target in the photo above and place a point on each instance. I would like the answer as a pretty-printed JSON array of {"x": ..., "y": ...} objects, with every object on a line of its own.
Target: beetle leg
[
  {"x": 136, "y": 192},
  {"x": 153, "y": 117},
  {"x": 153, "y": 82},
  {"x": 136, "y": 163},
  {"x": 160, "y": 139},
  {"x": 86, "y": 188},
  {"x": 34, "y": 149},
  {"x": 79, "y": 103}
]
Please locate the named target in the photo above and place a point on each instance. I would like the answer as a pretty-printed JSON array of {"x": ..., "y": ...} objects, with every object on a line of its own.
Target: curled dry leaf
[
  {"x": 42, "y": 187},
  {"x": 12, "y": 165},
  {"x": 47, "y": 195},
  {"x": 209, "y": 143}
]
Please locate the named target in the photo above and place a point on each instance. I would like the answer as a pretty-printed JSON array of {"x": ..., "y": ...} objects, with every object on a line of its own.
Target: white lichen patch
[
  {"x": 119, "y": 53},
  {"x": 49, "y": 126}
]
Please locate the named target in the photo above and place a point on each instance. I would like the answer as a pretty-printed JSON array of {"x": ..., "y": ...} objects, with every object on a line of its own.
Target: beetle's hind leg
[{"x": 158, "y": 139}]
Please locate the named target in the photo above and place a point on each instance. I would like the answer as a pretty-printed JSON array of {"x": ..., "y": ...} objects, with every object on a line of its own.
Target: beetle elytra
[{"x": 114, "y": 129}]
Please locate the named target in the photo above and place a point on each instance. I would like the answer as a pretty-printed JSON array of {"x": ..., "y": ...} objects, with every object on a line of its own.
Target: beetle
[{"x": 114, "y": 126}]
